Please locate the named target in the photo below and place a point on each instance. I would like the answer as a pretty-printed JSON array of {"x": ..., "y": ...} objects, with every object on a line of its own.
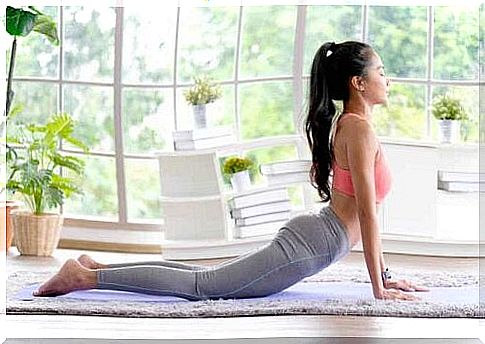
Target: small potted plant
[
  {"x": 34, "y": 175},
  {"x": 238, "y": 169},
  {"x": 202, "y": 93},
  {"x": 449, "y": 112}
]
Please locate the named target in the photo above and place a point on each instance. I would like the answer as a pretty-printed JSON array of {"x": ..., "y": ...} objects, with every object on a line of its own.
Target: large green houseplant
[
  {"x": 20, "y": 22},
  {"x": 35, "y": 175}
]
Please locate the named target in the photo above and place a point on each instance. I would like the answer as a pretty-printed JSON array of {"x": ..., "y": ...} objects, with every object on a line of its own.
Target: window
[{"x": 251, "y": 51}]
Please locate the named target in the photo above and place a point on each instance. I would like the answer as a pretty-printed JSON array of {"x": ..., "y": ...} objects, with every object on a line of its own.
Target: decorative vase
[
  {"x": 449, "y": 131},
  {"x": 240, "y": 181},
  {"x": 200, "y": 116},
  {"x": 6, "y": 222},
  {"x": 36, "y": 235}
]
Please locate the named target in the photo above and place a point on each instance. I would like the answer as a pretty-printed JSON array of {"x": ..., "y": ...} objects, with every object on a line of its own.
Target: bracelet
[{"x": 385, "y": 275}]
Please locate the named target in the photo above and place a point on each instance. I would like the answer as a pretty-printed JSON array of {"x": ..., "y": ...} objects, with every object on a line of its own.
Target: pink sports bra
[{"x": 342, "y": 180}]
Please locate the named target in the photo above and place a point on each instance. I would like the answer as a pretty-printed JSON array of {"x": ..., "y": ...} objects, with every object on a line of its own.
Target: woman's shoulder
[{"x": 359, "y": 132}]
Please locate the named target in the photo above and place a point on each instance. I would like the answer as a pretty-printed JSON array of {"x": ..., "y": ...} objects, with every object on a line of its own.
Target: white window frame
[{"x": 297, "y": 77}]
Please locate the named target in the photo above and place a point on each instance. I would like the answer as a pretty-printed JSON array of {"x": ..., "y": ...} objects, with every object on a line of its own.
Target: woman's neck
[{"x": 358, "y": 107}]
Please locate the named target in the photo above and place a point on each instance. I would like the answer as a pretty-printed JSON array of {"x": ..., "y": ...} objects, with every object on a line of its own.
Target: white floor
[{"x": 59, "y": 326}]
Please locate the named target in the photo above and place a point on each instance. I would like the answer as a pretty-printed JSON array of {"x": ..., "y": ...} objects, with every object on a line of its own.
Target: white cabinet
[
  {"x": 192, "y": 196},
  {"x": 410, "y": 208}
]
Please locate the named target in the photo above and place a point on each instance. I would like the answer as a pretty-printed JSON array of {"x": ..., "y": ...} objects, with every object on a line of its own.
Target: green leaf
[
  {"x": 73, "y": 163},
  {"x": 53, "y": 196},
  {"x": 77, "y": 143},
  {"x": 66, "y": 185},
  {"x": 47, "y": 27},
  {"x": 19, "y": 22}
]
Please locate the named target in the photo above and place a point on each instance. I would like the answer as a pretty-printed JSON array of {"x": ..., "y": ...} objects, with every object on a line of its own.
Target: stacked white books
[
  {"x": 203, "y": 138},
  {"x": 260, "y": 211},
  {"x": 461, "y": 181},
  {"x": 286, "y": 172}
]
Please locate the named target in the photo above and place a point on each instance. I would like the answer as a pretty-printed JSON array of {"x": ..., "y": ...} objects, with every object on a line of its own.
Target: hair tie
[{"x": 331, "y": 49}]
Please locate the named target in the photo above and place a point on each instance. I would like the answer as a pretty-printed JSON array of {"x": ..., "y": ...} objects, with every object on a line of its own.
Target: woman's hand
[
  {"x": 403, "y": 285},
  {"x": 394, "y": 294}
]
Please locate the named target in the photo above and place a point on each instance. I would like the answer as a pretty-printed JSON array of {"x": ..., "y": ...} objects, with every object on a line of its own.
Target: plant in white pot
[
  {"x": 450, "y": 113},
  {"x": 35, "y": 175},
  {"x": 202, "y": 93},
  {"x": 238, "y": 168}
]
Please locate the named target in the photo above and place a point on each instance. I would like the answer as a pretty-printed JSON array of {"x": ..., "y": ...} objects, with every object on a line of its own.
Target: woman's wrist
[{"x": 386, "y": 276}]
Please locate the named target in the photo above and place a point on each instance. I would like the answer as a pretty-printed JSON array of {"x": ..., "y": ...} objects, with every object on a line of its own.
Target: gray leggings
[{"x": 305, "y": 245}]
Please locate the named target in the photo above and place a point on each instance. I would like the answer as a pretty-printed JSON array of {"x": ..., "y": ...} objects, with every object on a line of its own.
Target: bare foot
[
  {"x": 89, "y": 262},
  {"x": 72, "y": 276}
]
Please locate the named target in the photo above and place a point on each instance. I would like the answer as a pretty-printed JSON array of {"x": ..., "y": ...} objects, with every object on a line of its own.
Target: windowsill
[{"x": 431, "y": 144}]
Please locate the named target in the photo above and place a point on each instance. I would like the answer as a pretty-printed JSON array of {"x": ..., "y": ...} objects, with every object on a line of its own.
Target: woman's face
[{"x": 376, "y": 84}]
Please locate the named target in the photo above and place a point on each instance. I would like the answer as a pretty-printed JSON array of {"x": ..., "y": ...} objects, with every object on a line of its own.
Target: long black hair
[{"x": 333, "y": 67}]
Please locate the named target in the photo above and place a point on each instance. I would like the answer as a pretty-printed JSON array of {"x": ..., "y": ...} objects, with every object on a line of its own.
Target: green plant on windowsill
[
  {"x": 451, "y": 115},
  {"x": 203, "y": 92},
  {"x": 448, "y": 108}
]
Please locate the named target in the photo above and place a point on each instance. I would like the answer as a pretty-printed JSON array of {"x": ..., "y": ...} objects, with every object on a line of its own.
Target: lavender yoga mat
[{"x": 320, "y": 291}]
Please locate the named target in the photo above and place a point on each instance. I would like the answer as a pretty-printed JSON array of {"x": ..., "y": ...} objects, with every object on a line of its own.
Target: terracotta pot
[
  {"x": 6, "y": 222},
  {"x": 36, "y": 235}
]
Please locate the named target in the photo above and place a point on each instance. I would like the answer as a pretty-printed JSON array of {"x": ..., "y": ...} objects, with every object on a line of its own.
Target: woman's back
[{"x": 344, "y": 205}]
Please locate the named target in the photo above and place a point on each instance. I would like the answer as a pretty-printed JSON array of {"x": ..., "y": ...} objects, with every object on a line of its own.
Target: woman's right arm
[{"x": 361, "y": 153}]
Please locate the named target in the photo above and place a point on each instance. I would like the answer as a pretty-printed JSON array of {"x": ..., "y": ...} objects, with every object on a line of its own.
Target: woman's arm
[{"x": 361, "y": 154}]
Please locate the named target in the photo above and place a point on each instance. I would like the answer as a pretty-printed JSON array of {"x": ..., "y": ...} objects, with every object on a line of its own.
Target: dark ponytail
[{"x": 332, "y": 68}]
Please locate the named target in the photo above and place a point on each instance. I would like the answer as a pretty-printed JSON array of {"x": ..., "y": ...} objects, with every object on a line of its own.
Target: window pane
[
  {"x": 405, "y": 116},
  {"x": 148, "y": 44},
  {"x": 35, "y": 55},
  {"x": 38, "y": 100},
  {"x": 142, "y": 190},
  {"x": 398, "y": 34},
  {"x": 88, "y": 43},
  {"x": 469, "y": 99},
  {"x": 207, "y": 42},
  {"x": 266, "y": 109},
  {"x": 220, "y": 112},
  {"x": 92, "y": 108},
  {"x": 456, "y": 43},
  {"x": 147, "y": 120},
  {"x": 329, "y": 23},
  {"x": 99, "y": 187},
  {"x": 268, "y": 36}
]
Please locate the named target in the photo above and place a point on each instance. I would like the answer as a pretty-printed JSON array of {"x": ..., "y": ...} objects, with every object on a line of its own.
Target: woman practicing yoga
[{"x": 343, "y": 143}]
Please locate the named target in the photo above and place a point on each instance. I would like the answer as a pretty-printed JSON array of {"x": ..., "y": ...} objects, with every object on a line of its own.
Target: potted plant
[
  {"x": 202, "y": 93},
  {"x": 238, "y": 169},
  {"x": 449, "y": 112},
  {"x": 35, "y": 175},
  {"x": 20, "y": 22}
]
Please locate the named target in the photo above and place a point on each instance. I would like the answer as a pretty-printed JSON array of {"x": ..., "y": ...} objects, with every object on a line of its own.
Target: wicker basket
[{"x": 36, "y": 235}]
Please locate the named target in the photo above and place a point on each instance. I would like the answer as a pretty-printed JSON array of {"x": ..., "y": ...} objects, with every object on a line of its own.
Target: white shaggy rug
[{"x": 340, "y": 291}]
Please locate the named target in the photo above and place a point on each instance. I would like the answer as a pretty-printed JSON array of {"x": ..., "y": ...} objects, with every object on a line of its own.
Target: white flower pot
[
  {"x": 200, "y": 116},
  {"x": 240, "y": 181},
  {"x": 449, "y": 131}
]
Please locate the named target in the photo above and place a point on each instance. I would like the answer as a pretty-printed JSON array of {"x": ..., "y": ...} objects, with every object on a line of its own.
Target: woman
[{"x": 306, "y": 244}]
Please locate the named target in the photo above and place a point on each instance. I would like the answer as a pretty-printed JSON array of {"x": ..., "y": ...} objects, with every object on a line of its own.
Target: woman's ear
[{"x": 357, "y": 82}]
